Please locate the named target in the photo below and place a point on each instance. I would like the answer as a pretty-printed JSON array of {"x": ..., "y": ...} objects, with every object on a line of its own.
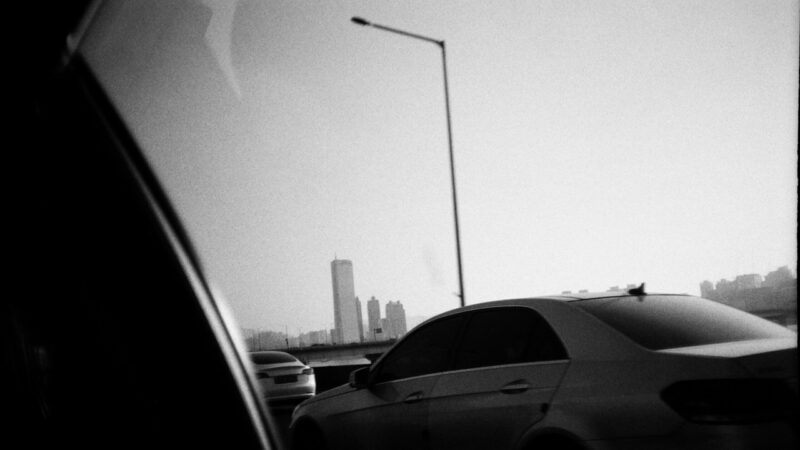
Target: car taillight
[
  {"x": 308, "y": 371},
  {"x": 731, "y": 400}
]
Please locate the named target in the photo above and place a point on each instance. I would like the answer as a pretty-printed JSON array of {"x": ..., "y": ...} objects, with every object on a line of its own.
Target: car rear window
[
  {"x": 659, "y": 321},
  {"x": 271, "y": 358}
]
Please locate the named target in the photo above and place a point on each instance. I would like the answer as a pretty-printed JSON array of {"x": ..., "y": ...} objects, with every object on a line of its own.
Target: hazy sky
[{"x": 597, "y": 143}]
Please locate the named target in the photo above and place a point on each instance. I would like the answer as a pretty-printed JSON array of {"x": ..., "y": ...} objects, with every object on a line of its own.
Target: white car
[
  {"x": 284, "y": 380},
  {"x": 596, "y": 371}
]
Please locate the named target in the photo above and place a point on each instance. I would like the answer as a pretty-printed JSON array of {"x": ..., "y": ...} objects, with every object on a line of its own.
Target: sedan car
[
  {"x": 283, "y": 379},
  {"x": 610, "y": 370}
]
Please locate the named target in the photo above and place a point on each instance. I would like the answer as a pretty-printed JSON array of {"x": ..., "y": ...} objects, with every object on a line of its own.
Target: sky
[{"x": 596, "y": 143}]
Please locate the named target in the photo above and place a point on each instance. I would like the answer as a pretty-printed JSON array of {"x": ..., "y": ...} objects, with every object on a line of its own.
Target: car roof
[
  {"x": 530, "y": 301},
  {"x": 593, "y": 295}
]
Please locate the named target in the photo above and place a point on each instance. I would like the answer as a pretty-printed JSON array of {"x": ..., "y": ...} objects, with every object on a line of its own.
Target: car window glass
[
  {"x": 507, "y": 336},
  {"x": 661, "y": 321},
  {"x": 272, "y": 358},
  {"x": 426, "y": 351}
]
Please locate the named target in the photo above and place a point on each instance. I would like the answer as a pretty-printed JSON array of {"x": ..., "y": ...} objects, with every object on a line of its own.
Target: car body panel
[
  {"x": 629, "y": 403},
  {"x": 486, "y": 407},
  {"x": 394, "y": 412},
  {"x": 773, "y": 435}
]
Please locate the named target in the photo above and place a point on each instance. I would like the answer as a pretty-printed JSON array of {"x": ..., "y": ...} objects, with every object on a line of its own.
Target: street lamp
[{"x": 366, "y": 23}]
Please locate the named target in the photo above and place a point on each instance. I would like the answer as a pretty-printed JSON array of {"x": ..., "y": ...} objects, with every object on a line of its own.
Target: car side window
[
  {"x": 507, "y": 336},
  {"x": 428, "y": 350}
]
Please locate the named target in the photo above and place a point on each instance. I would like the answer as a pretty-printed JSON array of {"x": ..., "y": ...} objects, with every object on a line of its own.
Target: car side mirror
[{"x": 359, "y": 378}]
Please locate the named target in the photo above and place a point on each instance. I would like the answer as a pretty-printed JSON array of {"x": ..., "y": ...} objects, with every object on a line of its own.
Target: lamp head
[{"x": 360, "y": 21}]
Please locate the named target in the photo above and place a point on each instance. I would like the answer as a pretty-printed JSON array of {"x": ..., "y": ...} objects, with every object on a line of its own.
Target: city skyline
[
  {"x": 347, "y": 310},
  {"x": 748, "y": 281},
  {"x": 391, "y": 327},
  {"x": 772, "y": 297},
  {"x": 349, "y": 323},
  {"x": 713, "y": 291}
]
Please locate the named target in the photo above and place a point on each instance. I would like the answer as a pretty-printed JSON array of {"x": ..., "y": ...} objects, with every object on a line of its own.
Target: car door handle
[
  {"x": 515, "y": 388},
  {"x": 413, "y": 398}
]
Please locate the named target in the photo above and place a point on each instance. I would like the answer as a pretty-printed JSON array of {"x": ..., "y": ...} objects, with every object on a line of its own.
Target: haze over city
[
  {"x": 772, "y": 296},
  {"x": 596, "y": 144}
]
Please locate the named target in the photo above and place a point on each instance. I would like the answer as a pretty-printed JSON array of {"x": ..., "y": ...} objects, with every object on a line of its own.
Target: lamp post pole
[{"x": 364, "y": 22}]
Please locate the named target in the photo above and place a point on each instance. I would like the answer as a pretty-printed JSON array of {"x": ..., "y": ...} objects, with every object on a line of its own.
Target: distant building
[
  {"x": 360, "y": 321},
  {"x": 773, "y": 297},
  {"x": 386, "y": 330},
  {"x": 614, "y": 289},
  {"x": 778, "y": 278},
  {"x": 345, "y": 311},
  {"x": 583, "y": 291},
  {"x": 566, "y": 292},
  {"x": 373, "y": 318},
  {"x": 319, "y": 337},
  {"x": 707, "y": 289},
  {"x": 396, "y": 317},
  {"x": 749, "y": 281},
  {"x": 266, "y": 340},
  {"x": 725, "y": 288}
]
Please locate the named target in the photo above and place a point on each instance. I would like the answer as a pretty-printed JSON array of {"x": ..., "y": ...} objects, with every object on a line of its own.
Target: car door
[
  {"x": 393, "y": 408},
  {"x": 506, "y": 369}
]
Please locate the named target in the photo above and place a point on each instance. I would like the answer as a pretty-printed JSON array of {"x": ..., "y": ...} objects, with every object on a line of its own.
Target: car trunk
[{"x": 774, "y": 358}]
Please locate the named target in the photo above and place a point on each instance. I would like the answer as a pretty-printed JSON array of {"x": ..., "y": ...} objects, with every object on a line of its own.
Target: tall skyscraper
[
  {"x": 373, "y": 318},
  {"x": 396, "y": 318},
  {"x": 345, "y": 312},
  {"x": 360, "y": 321}
]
